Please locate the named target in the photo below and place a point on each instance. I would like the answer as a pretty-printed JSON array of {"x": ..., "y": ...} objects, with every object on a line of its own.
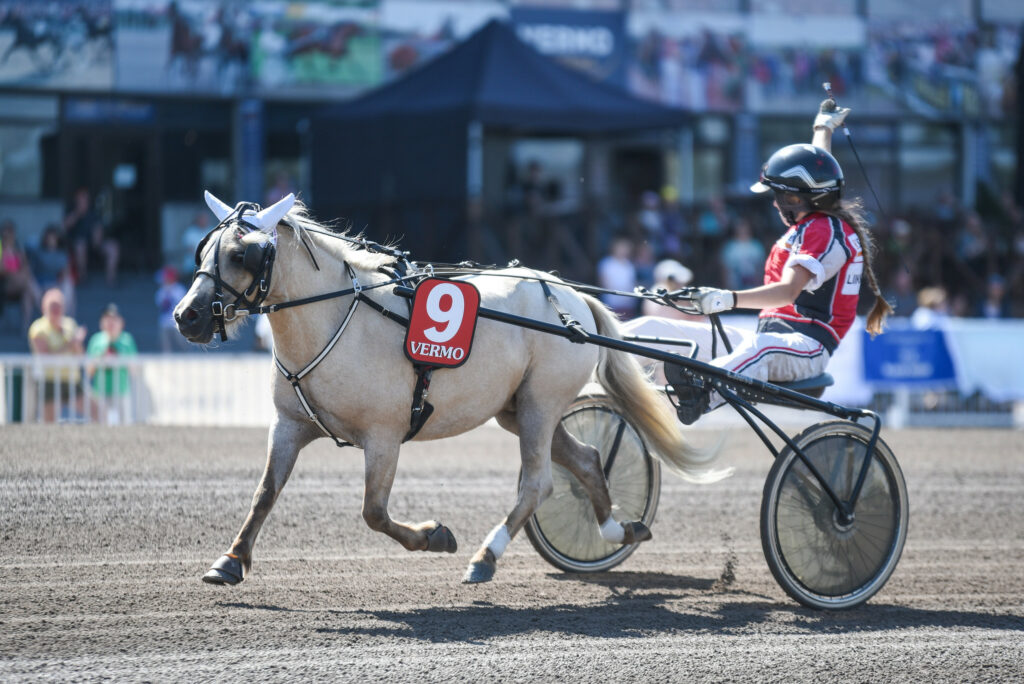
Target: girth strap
[{"x": 421, "y": 408}]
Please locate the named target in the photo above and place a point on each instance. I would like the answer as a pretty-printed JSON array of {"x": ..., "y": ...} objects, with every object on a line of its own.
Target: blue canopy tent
[{"x": 401, "y": 161}]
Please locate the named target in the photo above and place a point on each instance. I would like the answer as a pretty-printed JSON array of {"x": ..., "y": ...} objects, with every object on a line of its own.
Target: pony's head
[{"x": 234, "y": 265}]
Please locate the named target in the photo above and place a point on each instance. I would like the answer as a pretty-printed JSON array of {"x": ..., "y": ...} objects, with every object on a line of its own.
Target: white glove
[
  {"x": 830, "y": 116},
  {"x": 711, "y": 301}
]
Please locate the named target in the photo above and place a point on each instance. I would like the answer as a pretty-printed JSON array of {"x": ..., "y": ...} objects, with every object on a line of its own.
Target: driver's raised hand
[
  {"x": 830, "y": 115},
  {"x": 710, "y": 300}
]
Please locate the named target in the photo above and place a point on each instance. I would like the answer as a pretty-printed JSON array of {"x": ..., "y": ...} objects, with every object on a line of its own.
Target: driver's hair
[{"x": 851, "y": 211}]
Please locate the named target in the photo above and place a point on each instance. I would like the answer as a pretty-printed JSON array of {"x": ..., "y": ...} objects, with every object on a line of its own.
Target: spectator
[
  {"x": 532, "y": 189},
  {"x": 191, "y": 238},
  {"x": 675, "y": 236},
  {"x": 86, "y": 233},
  {"x": 111, "y": 385},
  {"x": 995, "y": 304},
  {"x": 648, "y": 218},
  {"x": 714, "y": 219},
  {"x": 282, "y": 187},
  {"x": 644, "y": 263},
  {"x": 742, "y": 258},
  {"x": 974, "y": 250},
  {"x": 901, "y": 293},
  {"x": 57, "y": 334},
  {"x": 932, "y": 309},
  {"x": 617, "y": 272},
  {"x": 669, "y": 275},
  {"x": 17, "y": 283},
  {"x": 52, "y": 267},
  {"x": 168, "y": 295}
]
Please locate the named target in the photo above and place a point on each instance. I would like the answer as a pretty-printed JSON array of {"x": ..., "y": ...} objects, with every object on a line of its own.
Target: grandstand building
[{"x": 149, "y": 102}]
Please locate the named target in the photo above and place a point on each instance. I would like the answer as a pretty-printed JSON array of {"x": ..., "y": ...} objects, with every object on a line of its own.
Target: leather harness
[{"x": 260, "y": 261}]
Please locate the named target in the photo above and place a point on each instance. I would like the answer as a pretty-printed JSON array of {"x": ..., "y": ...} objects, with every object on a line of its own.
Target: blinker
[{"x": 253, "y": 258}]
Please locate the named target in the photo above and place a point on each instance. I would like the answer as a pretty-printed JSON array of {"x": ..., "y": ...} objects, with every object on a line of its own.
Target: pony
[{"x": 331, "y": 304}]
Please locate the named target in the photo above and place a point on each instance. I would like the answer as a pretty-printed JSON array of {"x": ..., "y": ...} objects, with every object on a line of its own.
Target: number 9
[{"x": 452, "y": 317}]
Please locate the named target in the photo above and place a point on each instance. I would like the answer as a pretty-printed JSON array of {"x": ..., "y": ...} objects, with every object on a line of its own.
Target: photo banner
[{"x": 57, "y": 45}]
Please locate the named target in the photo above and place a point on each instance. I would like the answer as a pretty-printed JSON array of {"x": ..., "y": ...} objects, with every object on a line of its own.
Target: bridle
[{"x": 258, "y": 260}]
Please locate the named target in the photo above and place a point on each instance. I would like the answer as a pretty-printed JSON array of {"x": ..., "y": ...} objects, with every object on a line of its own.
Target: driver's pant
[{"x": 771, "y": 357}]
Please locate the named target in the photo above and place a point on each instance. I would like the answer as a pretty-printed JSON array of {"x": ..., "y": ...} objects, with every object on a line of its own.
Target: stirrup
[
  {"x": 691, "y": 402},
  {"x": 692, "y": 398}
]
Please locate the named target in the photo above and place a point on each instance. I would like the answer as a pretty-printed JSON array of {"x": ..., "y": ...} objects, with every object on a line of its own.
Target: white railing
[
  {"x": 192, "y": 389},
  {"x": 234, "y": 390}
]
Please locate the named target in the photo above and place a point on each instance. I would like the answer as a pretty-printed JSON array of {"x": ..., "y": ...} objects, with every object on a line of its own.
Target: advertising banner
[
  {"x": 907, "y": 357},
  {"x": 593, "y": 42},
  {"x": 416, "y": 31},
  {"x": 56, "y": 44},
  {"x": 270, "y": 48}
]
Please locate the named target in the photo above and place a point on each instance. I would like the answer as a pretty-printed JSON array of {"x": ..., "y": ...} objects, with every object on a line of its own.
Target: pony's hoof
[
  {"x": 440, "y": 539},
  {"x": 636, "y": 532},
  {"x": 481, "y": 570},
  {"x": 227, "y": 570}
]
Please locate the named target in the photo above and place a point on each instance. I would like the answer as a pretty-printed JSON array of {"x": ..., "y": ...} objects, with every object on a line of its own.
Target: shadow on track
[{"x": 638, "y": 604}]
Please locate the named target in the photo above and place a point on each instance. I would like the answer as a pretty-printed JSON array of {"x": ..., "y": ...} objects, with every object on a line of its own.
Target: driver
[{"x": 812, "y": 276}]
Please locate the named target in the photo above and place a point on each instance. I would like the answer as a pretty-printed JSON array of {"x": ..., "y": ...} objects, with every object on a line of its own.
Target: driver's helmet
[{"x": 806, "y": 171}]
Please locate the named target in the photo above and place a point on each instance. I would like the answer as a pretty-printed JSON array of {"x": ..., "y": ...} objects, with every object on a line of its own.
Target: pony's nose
[{"x": 190, "y": 315}]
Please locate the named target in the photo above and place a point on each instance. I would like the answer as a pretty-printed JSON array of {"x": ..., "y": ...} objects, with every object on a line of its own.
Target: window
[{"x": 22, "y": 154}]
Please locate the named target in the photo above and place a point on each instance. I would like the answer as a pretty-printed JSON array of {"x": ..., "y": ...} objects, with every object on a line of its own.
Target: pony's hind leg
[
  {"x": 584, "y": 462},
  {"x": 286, "y": 439},
  {"x": 534, "y": 429},
  {"x": 381, "y": 462}
]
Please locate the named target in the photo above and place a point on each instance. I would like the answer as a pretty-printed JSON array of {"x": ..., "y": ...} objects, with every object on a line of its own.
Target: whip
[{"x": 830, "y": 105}]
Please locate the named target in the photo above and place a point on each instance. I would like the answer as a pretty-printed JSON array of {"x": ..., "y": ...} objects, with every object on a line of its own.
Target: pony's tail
[{"x": 646, "y": 409}]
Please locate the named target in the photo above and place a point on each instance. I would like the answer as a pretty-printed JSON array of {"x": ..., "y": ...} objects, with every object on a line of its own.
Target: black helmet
[{"x": 804, "y": 170}]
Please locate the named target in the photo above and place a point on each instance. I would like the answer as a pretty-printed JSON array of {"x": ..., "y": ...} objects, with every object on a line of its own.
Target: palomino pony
[{"x": 344, "y": 373}]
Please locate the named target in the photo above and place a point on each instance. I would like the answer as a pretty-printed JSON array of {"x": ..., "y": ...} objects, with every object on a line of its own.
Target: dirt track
[{"x": 105, "y": 534}]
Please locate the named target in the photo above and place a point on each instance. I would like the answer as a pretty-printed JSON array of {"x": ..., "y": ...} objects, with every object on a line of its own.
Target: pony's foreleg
[
  {"x": 534, "y": 486},
  {"x": 286, "y": 439},
  {"x": 381, "y": 463},
  {"x": 584, "y": 462}
]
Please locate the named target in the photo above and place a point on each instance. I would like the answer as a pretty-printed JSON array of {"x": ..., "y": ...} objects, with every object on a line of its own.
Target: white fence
[
  {"x": 193, "y": 389},
  {"x": 234, "y": 389}
]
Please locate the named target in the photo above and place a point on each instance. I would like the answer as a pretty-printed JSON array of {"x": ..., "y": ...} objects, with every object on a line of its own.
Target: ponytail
[{"x": 852, "y": 213}]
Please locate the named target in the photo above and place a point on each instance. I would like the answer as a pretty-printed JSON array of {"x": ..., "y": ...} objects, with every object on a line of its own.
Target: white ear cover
[
  {"x": 272, "y": 215},
  {"x": 219, "y": 209}
]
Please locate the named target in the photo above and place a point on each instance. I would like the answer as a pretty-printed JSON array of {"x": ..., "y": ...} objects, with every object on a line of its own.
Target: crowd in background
[
  {"x": 955, "y": 260},
  {"x": 718, "y": 71},
  {"x": 961, "y": 261}
]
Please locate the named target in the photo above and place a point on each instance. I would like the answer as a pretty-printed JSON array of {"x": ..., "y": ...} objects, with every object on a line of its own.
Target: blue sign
[
  {"x": 593, "y": 42},
  {"x": 908, "y": 357},
  {"x": 108, "y": 110}
]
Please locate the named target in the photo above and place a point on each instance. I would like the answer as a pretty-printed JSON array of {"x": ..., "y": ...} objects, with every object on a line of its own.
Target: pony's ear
[
  {"x": 272, "y": 215},
  {"x": 219, "y": 209}
]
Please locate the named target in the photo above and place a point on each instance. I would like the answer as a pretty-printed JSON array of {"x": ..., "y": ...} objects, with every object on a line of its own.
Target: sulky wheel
[
  {"x": 819, "y": 558},
  {"x": 564, "y": 529}
]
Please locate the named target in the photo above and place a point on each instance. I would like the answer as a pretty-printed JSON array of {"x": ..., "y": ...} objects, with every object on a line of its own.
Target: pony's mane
[{"x": 302, "y": 223}]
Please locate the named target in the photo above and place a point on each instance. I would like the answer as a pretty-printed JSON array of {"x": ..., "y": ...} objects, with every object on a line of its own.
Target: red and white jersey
[{"x": 830, "y": 249}]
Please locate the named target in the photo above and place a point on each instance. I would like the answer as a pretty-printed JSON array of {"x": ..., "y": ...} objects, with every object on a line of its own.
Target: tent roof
[{"x": 495, "y": 78}]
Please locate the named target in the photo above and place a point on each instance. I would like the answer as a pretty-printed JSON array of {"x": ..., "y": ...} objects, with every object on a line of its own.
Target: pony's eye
[{"x": 236, "y": 257}]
